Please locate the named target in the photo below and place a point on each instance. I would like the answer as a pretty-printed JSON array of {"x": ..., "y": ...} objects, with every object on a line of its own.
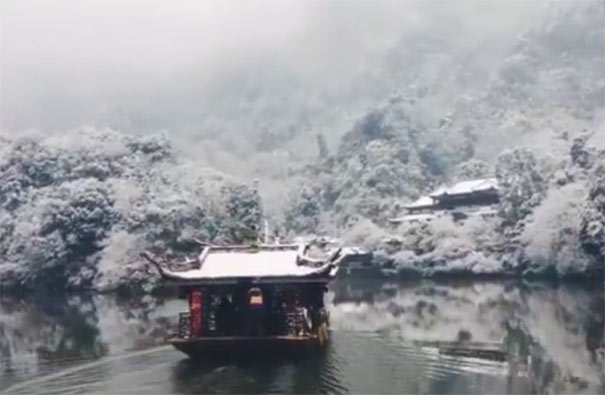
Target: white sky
[{"x": 64, "y": 63}]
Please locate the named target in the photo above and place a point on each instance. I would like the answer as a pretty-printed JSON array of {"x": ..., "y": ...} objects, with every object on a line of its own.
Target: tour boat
[{"x": 252, "y": 299}]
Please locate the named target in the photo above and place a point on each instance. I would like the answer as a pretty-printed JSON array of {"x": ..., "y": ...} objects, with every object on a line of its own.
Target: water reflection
[
  {"x": 40, "y": 334},
  {"x": 387, "y": 338},
  {"x": 557, "y": 330}
]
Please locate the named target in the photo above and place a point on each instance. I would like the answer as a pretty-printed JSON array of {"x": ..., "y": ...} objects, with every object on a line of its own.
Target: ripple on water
[
  {"x": 373, "y": 362},
  {"x": 358, "y": 362}
]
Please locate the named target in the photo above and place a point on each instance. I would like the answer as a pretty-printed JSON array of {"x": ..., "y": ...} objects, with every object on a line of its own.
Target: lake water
[{"x": 386, "y": 338}]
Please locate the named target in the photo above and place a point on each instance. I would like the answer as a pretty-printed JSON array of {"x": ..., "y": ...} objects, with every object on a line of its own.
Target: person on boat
[
  {"x": 297, "y": 315},
  {"x": 224, "y": 317},
  {"x": 256, "y": 310}
]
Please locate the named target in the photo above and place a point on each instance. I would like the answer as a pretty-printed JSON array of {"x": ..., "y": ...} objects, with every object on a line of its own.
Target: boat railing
[
  {"x": 297, "y": 323},
  {"x": 184, "y": 328}
]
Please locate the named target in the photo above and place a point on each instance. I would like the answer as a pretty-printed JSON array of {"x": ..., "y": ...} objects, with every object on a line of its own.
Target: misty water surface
[{"x": 383, "y": 341}]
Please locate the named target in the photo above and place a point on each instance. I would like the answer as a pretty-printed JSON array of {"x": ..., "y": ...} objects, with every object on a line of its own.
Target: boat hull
[{"x": 252, "y": 346}]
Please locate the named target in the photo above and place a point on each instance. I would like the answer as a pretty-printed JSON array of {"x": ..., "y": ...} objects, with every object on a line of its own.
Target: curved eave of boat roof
[
  {"x": 326, "y": 275},
  {"x": 248, "y": 280},
  {"x": 258, "y": 264}
]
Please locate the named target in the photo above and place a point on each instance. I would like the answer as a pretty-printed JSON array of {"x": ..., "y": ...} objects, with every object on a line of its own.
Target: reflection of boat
[{"x": 257, "y": 298}]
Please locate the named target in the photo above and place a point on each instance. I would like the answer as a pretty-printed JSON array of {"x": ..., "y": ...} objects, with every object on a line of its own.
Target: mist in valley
[{"x": 126, "y": 126}]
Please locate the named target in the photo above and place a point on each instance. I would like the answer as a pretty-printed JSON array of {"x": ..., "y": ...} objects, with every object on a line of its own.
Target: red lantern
[{"x": 195, "y": 310}]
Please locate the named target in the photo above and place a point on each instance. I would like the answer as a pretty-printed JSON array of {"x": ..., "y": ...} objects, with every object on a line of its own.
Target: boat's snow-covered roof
[
  {"x": 266, "y": 262},
  {"x": 465, "y": 187},
  {"x": 246, "y": 264}
]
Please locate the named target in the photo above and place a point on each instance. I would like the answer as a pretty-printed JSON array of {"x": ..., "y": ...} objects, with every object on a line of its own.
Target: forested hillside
[
  {"x": 77, "y": 210},
  {"x": 331, "y": 136}
]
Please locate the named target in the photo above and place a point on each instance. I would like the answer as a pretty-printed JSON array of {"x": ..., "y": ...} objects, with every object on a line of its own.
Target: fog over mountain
[{"x": 322, "y": 116}]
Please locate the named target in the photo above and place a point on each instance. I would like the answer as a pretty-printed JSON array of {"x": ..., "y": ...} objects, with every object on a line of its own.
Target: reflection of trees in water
[
  {"x": 43, "y": 332},
  {"x": 134, "y": 322},
  {"x": 558, "y": 328},
  {"x": 565, "y": 327},
  {"x": 42, "y": 328}
]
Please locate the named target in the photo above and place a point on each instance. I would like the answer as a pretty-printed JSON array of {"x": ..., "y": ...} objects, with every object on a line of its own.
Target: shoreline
[{"x": 356, "y": 275}]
